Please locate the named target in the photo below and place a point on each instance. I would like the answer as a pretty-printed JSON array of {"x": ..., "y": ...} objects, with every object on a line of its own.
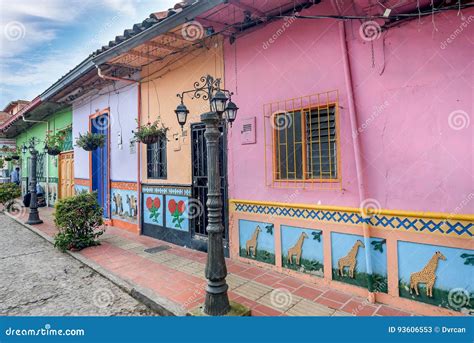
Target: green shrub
[
  {"x": 79, "y": 220},
  {"x": 8, "y": 193}
]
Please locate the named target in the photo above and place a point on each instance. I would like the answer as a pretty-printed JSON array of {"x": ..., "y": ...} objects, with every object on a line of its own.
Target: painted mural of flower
[
  {"x": 153, "y": 206},
  {"x": 177, "y": 210}
]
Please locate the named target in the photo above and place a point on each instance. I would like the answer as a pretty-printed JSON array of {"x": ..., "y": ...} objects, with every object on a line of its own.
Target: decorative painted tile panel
[
  {"x": 349, "y": 253},
  {"x": 124, "y": 205},
  {"x": 256, "y": 241},
  {"x": 441, "y": 226},
  {"x": 176, "y": 213},
  {"x": 302, "y": 250},
  {"x": 436, "y": 275},
  {"x": 153, "y": 209}
]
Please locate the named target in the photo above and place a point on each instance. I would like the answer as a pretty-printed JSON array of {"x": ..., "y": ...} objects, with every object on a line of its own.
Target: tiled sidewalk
[{"x": 177, "y": 274}]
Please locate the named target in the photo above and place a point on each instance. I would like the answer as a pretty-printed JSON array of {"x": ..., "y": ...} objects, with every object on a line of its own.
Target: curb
[{"x": 159, "y": 304}]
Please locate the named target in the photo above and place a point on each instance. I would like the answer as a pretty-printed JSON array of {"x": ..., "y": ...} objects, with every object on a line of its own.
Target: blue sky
[{"x": 41, "y": 40}]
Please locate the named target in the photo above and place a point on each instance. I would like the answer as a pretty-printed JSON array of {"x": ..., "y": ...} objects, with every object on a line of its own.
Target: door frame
[
  {"x": 109, "y": 157},
  {"x": 199, "y": 239},
  {"x": 59, "y": 170}
]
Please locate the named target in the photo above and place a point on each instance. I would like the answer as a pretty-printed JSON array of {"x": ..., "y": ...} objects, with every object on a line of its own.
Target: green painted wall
[{"x": 57, "y": 121}]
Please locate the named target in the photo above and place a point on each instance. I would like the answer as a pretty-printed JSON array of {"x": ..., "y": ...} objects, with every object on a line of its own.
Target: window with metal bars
[
  {"x": 305, "y": 144},
  {"x": 156, "y": 160}
]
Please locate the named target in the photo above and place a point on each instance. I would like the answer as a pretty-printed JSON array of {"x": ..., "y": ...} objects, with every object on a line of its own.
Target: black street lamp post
[
  {"x": 33, "y": 217},
  {"x": 217, "y": 300}
]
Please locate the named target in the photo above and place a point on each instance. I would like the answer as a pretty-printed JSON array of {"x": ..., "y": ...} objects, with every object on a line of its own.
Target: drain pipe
[
  {"x": 47, "y": 159},
  {"x": 358, "y": 158}
]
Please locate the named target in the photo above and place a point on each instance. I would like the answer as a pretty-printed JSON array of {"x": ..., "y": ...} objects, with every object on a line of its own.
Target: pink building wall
[{"x": 411, "y": 106}]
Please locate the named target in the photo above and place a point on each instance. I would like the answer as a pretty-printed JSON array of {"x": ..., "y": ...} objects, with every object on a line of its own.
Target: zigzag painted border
[{"x": 447, "y": 226}]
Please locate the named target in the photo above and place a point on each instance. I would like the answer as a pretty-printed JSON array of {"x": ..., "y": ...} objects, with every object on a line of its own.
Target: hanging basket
[
  {"x": 90, "y": 146},
  {"x": 151, "y": 139},
  {"x": 54, "y": 151},
  {"x": 8, "y": 158},
  {"x": 15, "y": 157}
]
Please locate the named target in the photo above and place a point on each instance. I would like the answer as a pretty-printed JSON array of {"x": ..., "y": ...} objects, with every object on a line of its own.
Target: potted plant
[
  {"x": 90, "y": 141},
  {"x": 6, "y": 153},
  {"x": 15, "y": 153},
  {"x": 150, "y": 133},
  {"x": 54, "y": 142}
]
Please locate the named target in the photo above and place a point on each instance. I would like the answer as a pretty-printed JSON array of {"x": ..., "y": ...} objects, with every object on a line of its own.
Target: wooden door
[{"x": 66, "y": 174}]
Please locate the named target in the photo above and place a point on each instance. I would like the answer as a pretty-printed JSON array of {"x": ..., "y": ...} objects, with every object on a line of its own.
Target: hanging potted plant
[
  {"x": 15, "y": 153},
  {"x": 54, "y": 142},
  {"x": 150, "y": 133},
  {"x": 6, "y": 153},
  {"x": 90, "y": 141}
]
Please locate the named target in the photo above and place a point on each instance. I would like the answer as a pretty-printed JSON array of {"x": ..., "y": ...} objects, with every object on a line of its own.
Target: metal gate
[{"x": 199, "y": 170}]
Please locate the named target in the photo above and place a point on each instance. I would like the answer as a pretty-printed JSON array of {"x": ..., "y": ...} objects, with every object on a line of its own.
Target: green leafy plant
[
  {"x": 9, "y": 191},
  {"x": 269, "y": 228},
  {"x": 79, "y": 220},
  {"x": 149, "y": 133},
  {"x": 2, "y": 162},
  {"x": 90, "y": 141},
  {"x": 378, "y": 245},
  {"x": 317, "y": 235},
  {"x": 54, "y": 142},
  {"x": 469, "y": 259}
]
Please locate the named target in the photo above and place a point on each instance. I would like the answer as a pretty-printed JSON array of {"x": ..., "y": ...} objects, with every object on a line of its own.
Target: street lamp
[
  {"x": 33, "y": 217},
  {"x": 217, "y": 300}
]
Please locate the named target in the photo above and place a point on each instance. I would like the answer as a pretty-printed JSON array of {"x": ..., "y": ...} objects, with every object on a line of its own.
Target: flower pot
[
  {"x": 54, "y": 151},
  {"x": 89, "y": 146},
  {"x": 15, "y": 157},
  {"x": 152, "y": 139},
  {"x": 8, "y": 159}
]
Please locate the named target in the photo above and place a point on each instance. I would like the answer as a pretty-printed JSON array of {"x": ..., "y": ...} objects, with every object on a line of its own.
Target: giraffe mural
[
  {"x": 427, "y": 275},
  {"x": 297, "y": 249},
  {"x": 350, "y": 260},
  {"x": 256, "y": 241},
  {"x": 252, "y": 242}
]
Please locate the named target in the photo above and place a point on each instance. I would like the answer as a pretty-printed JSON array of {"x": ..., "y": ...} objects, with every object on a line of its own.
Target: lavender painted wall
[
  {"x": 123, "y": 105},
  {"x": 415, "y": 157}
]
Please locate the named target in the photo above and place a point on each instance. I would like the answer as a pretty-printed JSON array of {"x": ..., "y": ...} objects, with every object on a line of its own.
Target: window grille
[
  {"x": 156, "y": 159},
  {"x": 302, "y": 142}
]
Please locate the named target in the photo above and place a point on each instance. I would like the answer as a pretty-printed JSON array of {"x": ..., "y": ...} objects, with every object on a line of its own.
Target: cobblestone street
[{"x": 38, "y": 280}]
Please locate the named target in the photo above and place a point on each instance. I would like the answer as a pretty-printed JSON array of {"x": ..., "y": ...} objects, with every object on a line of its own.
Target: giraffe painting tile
[
  {"x": 256, "y": 241},
  {"x": 442, "y": 276},
  {"x": 349, "y": 261},
  {"x": 302, "y": 250}
]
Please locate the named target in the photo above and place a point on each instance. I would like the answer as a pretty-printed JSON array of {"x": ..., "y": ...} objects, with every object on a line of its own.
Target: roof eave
[{"x": 164, "y": 26}]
